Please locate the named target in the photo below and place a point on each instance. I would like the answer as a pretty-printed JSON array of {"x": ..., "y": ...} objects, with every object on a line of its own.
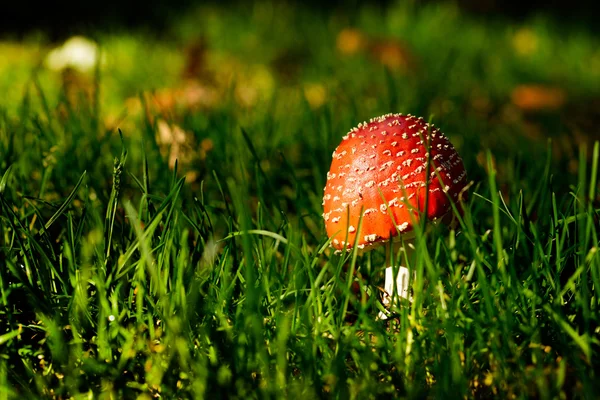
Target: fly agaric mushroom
[{"x": 388, "y": 169}]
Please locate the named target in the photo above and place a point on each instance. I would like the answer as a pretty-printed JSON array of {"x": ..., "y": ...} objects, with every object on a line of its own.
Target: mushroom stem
[{"x": 397, "y": 280}]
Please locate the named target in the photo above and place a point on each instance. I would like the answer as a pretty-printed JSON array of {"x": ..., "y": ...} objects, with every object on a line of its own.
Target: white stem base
[{"x": 399, "y": 286}]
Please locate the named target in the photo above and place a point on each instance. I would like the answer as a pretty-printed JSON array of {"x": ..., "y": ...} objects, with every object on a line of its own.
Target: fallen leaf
[
  {"x": 392, "y": 53},
  {"x": 532, "y": 97},
  {"x": 174, "y": 142},
  {"x": 195, "y": 95}
]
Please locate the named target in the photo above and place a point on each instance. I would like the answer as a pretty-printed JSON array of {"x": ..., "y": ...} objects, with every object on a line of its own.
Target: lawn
[{"x": 161, "y": 229}]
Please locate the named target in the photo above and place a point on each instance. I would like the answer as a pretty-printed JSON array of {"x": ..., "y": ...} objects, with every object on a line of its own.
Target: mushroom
[{"x": 387, "y": 169}]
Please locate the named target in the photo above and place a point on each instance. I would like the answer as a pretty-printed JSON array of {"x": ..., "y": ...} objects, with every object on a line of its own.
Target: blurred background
[
  {"x": 494, "y": 74},
  {"x": 68, "y": 17}
]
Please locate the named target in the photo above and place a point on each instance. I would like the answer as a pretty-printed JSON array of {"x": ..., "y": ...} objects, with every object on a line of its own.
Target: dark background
[{"x": 62, "y": 18}]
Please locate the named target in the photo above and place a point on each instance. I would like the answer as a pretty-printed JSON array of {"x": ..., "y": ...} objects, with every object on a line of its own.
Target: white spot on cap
[
  {"x": 371, "y": 238},
  {"x": 351, "y": 229},
  {"x": 385, "y": 165}
]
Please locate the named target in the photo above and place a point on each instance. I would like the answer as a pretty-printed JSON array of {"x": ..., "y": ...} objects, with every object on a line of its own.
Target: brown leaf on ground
[
  {"x": 178, "y": 145},
  {"x": 192, "y": 95},
  {"x": 164, "y": 100},
  {"x": 174, "y": 143},
  {"x": 532, "y": 97},
  {"x": 392, "y": 53}
]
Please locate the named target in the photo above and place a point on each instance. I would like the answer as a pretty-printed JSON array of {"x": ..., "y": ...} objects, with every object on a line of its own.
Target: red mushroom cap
[{"x": 381, "y": 168}]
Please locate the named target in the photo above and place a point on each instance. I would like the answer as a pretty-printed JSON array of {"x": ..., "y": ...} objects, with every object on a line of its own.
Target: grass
[{"x": 187, "y": 258}]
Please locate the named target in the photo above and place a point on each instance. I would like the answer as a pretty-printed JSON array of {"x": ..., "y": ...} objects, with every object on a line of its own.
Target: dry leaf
[
  {"x": 173, "y": 142},
  {"x": 392, "y": 53},
  {"x": 538, "y": 97},
  {"x": 195, "y": 95}
]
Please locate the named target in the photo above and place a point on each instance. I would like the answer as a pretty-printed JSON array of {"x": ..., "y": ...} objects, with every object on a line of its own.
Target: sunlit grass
[{"x": 126, "y": 274}]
